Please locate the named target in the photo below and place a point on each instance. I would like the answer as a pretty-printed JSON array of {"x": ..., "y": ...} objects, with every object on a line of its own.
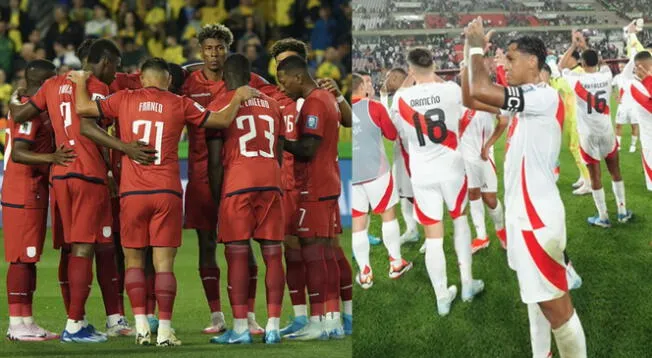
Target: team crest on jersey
[{"x": 311, "y": 122}]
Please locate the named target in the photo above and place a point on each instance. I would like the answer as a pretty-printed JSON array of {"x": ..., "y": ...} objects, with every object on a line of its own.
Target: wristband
[
  {"x": 476, "y": 51},
  {"x": 340, "y": 99}
]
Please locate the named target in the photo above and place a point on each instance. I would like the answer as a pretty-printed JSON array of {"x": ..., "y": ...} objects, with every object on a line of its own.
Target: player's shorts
[
  {"x": 402, "y": 179},
  {"x": 316, "y": 219},
  {"x": 429, "y": 200},
  {"x": 626, "y": 116},
  {"x": 251, "y": 215},
  {"x": 56, "y": 225},
  {"x": 200, "y": 210},
  {"x": 24, "y": 233},
  {"x": 85, "y": 209},
  {"x": 338, "y": 220},
  {"x": 537, "y": 256},
  {"x": 290, "y": 202},
  {"x": 595, "y": 148},
  {"x": 646, "y": 154},
  {"x": 482, "y": 174},
  {"x": 379, "y": 194},
  {"x": 151, "y": 220}
]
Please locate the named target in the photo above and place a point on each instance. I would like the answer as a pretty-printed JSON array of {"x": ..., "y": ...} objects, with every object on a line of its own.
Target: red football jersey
[
  {"x": 290, "y": 111},
  {"x": 125, "y": 81},
  {"x": 202, "y": 90},
  {"x": 27, "y": 185},
  {"x": 57, "y": 97},
  {"x": 156, "y": 117},
  {"x": 320, "y": 116},
  {"x": 249, "y": 152}
]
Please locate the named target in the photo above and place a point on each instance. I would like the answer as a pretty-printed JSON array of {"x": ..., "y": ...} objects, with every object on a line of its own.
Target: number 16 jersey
[
  {"x": 427, "y": 117},
  {"x": 592, "y": 95}
]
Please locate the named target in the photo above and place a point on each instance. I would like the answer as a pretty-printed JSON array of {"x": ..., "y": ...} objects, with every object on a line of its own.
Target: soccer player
[
  {"x": 373, "y": 183},
  {"x": 597, "y": 139},
  {"x": 28, "y": 156},
  {"x": 625, "y": 113},
  {"x": 535, "y": 217},
  {"x": 317, "y": 170},
  {"x": 427, "y": 114},
  {"x": 80, "y": 189},
  {"x": 249, "y": 204},
  {"x": 151, "y": 204}
]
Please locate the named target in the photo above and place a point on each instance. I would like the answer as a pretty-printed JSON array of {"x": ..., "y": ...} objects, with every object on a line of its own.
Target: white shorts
[
  {"x": 379, "y": 194},
  {"x": 646, "y": 154},
  {"x": 626, "y": 116},
  {"x": 537, "y": 256},
  {"x": 429, "y": 200},
  {"x": 482, "y": 174},
  {"x": 403, "y": 183},
  {"x": 595, "y": 148}
]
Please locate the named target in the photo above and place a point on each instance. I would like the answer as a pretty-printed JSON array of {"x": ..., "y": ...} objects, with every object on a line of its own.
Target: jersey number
[
  {"x": 8, "y": 148},
  {"x": 240, "y": 124},
  {"x": 64, "y": 107},
  {"x": 147, "y": 125},
  {"x": 600, "y": 103},
  {"x": 436, "y": 129}
]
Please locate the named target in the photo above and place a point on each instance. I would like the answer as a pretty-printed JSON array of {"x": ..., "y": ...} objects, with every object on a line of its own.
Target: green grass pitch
[
  {"x": 190, "y": 316},
  {"x": 399, "y": 318}
]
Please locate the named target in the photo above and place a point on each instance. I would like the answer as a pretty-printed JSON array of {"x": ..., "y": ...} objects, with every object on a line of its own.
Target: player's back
[
  {"x": 476, "y": 127},
  {"x": 428, "y": 115},
  {"x": 592, "y": 93},
  {"x": 368, "y": 145}
]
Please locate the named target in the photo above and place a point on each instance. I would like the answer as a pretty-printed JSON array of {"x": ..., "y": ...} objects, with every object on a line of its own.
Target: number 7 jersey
[{"x": 427, "y": 117}]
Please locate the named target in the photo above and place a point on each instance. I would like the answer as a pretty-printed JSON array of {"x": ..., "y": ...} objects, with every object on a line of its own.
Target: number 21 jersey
[{"x": 427, "y": 116}]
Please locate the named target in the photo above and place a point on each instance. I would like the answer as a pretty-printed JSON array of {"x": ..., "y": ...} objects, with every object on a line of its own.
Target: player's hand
[
  {"x": 78, "y": 76},
  {"x": 642, "y": 72},
  {"x": 484, "y": 154},
  {"x": 62, "y": 156},
  {"x": 113, "y": 187},
  {"x": 330, "y": 85},
  {"x": 499, "y": 58},
  {"x": 487, "y": 40},
  {"x": 245, "y": 93},
  {"x": 475, "y": 35},
  {"x": 140, "y": 152}
]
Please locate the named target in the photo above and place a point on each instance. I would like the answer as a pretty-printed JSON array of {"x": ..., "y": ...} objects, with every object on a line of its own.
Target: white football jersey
[
  {"x": 642, "y": 106},
  {"x": 592, "y": 95},
  {"x": 624, "y": 96},
  {"x": 427, "y": 116},
  {"x": 476, "y": 127}
]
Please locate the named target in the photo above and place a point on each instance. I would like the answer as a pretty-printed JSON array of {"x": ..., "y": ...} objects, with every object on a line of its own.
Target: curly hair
[
  {"x": 216, "y": 31},
  {"x": 289, "y": 44}
]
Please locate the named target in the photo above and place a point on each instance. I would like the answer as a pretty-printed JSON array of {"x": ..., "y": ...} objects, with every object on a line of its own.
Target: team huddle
[
  {"x": 444, "y": 133},
  {"x": 262, "y": 167}
]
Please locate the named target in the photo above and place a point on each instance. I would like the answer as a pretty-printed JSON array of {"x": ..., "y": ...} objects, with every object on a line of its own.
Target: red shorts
[
  {"x": 85, "y": 209},
  {"x": 316, "y": 219},
  {"x": 338, "y": 220},
  {"x": 251, "y": 215},
  {"x": 56, "y": 226},
  {"x": 24, "y": 233},
  {"x": 290, "y": 202},
  {"x": 151, "y": 220},
  {"x": 115, "y": 212},
  {"x": 200, "y": 210}
]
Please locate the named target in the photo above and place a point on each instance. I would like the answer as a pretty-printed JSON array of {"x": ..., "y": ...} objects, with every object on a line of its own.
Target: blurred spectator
[
  {"x": 324, "y": 31},
  {"x": 101, "y": 26},
  {"x": 173, "y": 51},
  {"x": 213, "y": 12},
  {"x": 152, "y": 15},
  {"x": 193, "y": 27},
  {"x": 7, "y": 48},
  {"x": 257, "y": 59},
  {"x": 18, "y": 20},
  {"x": 80, "y": 13},
  {"x": 155, "y": 40},
  {"x": 329, "y": 68},
  {"x": 5, "y": 90},
  {"x": 248, "y": 35},
  {"x": 132, "y": 54},
  {"x": 237, "y": 20},
  {"x": 65, "y": 55},
  {"x": 63, "y": 30},
  {"x": 131, "y": 26}
]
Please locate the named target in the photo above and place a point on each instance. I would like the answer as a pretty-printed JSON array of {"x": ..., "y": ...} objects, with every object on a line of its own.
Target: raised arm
[
  {"x": 84, "y": 106},
  {"x": 468, "y": 101},
  {"x": 344, "y": 106},
  {"x": 22, "y": 112}
]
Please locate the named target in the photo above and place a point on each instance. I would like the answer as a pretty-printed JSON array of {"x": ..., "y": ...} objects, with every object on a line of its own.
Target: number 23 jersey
[{"x": 427, "y": 117}]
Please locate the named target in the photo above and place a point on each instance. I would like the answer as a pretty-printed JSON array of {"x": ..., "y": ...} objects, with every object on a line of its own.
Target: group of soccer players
[
  {"x": 262, "y": 167},
  {"x": 444, "y": 133}
]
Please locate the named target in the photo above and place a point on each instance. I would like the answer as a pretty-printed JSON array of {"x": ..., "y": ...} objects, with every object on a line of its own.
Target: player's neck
[
  {"x": 593, "y": 69},
  {"x": 309, "y": 87},
  {"x": 426, "y": 78},
  {"x": 30, "y": 91},
  {"x": 212, "y": 75}
]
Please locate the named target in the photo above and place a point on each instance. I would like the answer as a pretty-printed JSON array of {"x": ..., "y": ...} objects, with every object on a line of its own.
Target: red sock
[
  {"x": 346, "y": 275},
  {"x": 210, "y": 279},
  {"x": 296, "y": 276},
  {"x": 150, "y": 306},
  {"x": 63, "y": 279},
  {"x": 237, "y": 258},
  {"x": 253, "y": 282},
  {"x": 166, "y": 291},
  {"x": 27, "y": 307},
  {"x": 136, "y": 290},
  {"x": 80, "y": 274},
  {"x": 274, "y": 279},
  {"x": 316, "y": 276},
  {"x": 107, "y": 277},
  {"x": 333, "y": 281},
  {"x": 18, "y": 287}
]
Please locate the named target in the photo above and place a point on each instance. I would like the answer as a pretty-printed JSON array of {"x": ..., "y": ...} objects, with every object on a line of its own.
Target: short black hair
[
  {"x": 289, "y": 44},
  {"x": 649, "y": 45},
  {"x": 356, "y": 81},
  {"x": 643, "y": 55},
  {"x": 546, "y": 68},
  {"x": 532, "y": 46},
  {"x": 36, "y": 70},
  {"x": 178, "y": 75},
  {"x": 156, "y": 64},
  {"x": 84, "y": 48},
  {"x": 292, "y": 63},
  {"x": 237, "y": 70},
  {"x": 399, "y": 70},
  {"x": 576, "y": 55},
  {"x": 216, "y": 31},
  {"x": 590, "y": 58},
  {"x": 102, "y": 48},
  {"x": 420, "y": 57},
  {"x": 363, "y": 73}
]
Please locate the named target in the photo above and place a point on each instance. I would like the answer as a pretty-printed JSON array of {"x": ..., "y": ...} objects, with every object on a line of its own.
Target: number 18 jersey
[
  {"x": 592, "y": 95},
  {"x": 427, "y": 116}
]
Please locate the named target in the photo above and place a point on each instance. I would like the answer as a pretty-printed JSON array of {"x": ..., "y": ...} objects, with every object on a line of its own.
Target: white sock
[
  {"x": 164, "y": 327},
  {"x": 436, "y": 266},
  {"x": 570, "y": 339},
  {"x": 539, "y": 331},
  {"x": 315, "y": 319},
  {"x": 273, "y": 324},
  {"x": 217, "y": 318},
  {"x": 600, "y": 203},
  {"x": 634, "y": 140},
  {"x": 154, "y": 316},
  {"x": 15, "y": 320},
  {"x": 477, "y": 215},
  {"x": 113, "y": 319},
  {"x": 28, "y": 320},
  {"x": 392, "y": 239},
  {"x": 618, "y": 139},
  {"x": 251, "y": 316},
  {"x": 347, "y": 307},
  {"x": 463, "y": 249},
  {"x": 497, "y": 216},
  {"x": 73, "y": 326},
  {"x": 406, "y": 210},
  {"x": 142, "y": 325},
  {"x": 333, "y": 316},
  {"x": 619, "y": 193},
  {"x": 300, "y": 310},
  {"x": 360, "y": 246},
  {"x": 240, "y": 325}
]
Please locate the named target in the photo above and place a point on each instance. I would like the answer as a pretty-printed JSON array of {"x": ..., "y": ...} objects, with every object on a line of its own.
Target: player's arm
[
  {"x": 564, "y": 61},
  {"x": 22, "y": 154},
  {"x": 223, "y": 118},
  {"x": 304, "y": 148},
  {"x": 498, "y": 131},
  {"x": 468, "y": 101},
  {"x": 380, "y": 116},
  {"x": 344, "y": 106},
  {"x": 215, "y": 168},
  {"x": 280, "y": 144},
  {"x": 23, "y": 112}
]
